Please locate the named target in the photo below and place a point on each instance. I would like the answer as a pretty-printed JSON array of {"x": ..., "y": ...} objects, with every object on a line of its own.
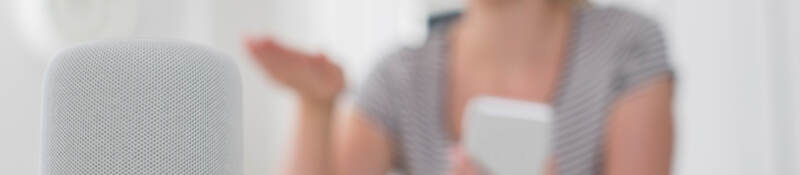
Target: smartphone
[{"x": 508, "y": 136}]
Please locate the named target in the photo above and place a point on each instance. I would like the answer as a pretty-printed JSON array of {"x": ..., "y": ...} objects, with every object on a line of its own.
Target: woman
[{"x": 603, "y": 70}]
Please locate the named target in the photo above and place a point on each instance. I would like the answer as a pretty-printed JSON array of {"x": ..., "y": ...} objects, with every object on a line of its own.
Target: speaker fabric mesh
[{"x": 141, "y": 107}]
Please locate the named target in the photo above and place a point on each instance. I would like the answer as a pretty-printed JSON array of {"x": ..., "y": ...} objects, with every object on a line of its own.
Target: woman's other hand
[
  {"x": 313, "y": 77},
  {"x": 317, "y": 83},
  {"x": 461, "y": 163}
]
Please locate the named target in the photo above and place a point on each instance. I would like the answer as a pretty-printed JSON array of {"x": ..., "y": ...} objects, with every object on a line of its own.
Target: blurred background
[{"x": 738, "y": 61}]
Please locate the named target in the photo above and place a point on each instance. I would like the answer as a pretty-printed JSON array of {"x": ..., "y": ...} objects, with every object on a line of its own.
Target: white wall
[
  {"x": 793, "y": 82},
  {"x": 738, "y": 72},
  {"x": 19, "y": 102},
  {"x": 724, "y": 93}
]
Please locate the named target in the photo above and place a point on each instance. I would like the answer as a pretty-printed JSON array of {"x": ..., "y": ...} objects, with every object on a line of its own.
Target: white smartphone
[{"x": 508, "y": 136}]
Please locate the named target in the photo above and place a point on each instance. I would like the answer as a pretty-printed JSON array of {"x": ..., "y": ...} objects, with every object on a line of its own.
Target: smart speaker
[{"x": 141, "y": 107}]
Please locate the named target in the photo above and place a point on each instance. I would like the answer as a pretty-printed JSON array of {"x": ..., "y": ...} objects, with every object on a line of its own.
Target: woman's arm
[
  {"x": 310, "y": 148},
  {"x": 353, "y": 146},
  {"x": 640, "y": 131},
  {"x": 360, "y": 148},
  {"x": 322, "y": 145}
]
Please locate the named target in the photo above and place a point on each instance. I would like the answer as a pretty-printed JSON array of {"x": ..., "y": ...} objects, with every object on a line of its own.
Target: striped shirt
[{"x": 611, "y": 52}]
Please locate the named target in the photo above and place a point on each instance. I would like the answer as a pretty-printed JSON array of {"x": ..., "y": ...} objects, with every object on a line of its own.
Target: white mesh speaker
[{"x": 141, "y": 107}]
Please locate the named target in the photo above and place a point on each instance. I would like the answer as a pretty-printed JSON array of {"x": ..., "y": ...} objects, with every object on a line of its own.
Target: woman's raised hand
[{"x": 313, "y": 77}]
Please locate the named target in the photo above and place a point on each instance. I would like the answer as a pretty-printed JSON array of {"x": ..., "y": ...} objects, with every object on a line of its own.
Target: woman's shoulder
[
  {"x": 636, "y": 42},
  {"x": 395, "y": 83},
  {"x": 421, "y": 60},
  {"x": 618, "y": 22},
  {"x": 617, "y": 13},
  {"x": 404, "y": 63}
]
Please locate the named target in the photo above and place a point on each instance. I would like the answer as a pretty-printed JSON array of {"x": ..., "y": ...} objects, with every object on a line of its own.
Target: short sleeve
[
  {"x": 647, "y": 59},
  {"x": 376, "y": 98}
]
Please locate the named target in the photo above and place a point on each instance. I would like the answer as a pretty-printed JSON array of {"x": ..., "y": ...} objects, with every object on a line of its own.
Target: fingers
[
  {"x": 269, "y": 54},
  {"x": 271, "y": 47},
  {"x": 256, "y": 48},
  {"x": 268, "y": 51},
  {"x": 457, "y": 161},
  {"x": 462, "y": 163}
]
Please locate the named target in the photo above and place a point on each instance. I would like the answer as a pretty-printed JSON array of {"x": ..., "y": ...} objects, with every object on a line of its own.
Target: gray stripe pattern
[{"x": 611, "y": 52}]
